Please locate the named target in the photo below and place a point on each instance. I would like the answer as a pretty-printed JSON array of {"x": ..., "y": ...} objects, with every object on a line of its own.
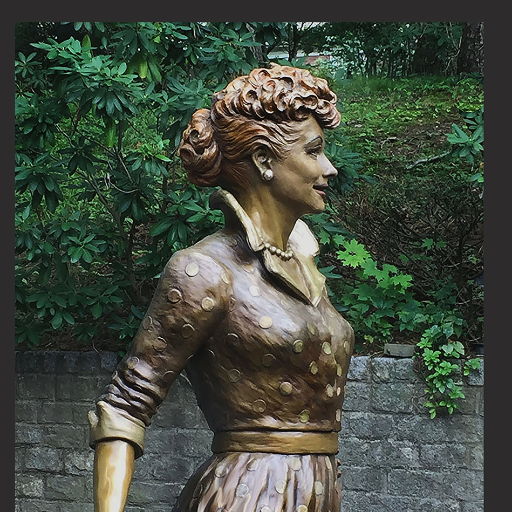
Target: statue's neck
[{"x": 271, "y": 219}]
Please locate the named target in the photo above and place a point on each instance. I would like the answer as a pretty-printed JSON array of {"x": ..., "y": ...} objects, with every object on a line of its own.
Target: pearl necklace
[{"x": 284, "y": 255}]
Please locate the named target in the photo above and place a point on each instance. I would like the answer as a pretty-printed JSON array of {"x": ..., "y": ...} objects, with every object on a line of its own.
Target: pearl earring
[{"x": 267, "y": 175}]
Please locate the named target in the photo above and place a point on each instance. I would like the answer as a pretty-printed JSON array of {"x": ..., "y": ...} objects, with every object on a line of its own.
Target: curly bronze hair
[{"x": 260, "y": 109}]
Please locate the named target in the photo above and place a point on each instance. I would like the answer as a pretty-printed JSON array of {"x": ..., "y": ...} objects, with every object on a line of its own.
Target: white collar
[{"x": 302, "y": 242}]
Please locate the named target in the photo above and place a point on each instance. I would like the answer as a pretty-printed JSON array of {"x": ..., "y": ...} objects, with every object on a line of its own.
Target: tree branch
[{"x": 428, "y": 160}]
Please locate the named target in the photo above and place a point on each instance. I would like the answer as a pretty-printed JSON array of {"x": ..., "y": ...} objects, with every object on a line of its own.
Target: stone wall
[{"x": 394, "y": 457}]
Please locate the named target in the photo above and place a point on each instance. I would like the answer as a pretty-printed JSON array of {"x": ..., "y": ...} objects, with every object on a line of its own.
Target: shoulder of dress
[{"x": 205, "y": 259}]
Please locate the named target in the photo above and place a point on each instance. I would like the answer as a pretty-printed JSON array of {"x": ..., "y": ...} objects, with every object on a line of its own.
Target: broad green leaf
[
  {"x": 26, "y": 212},
  {"x": 462, "y": 135},
  {"x": 155, "y": 73},
  {"x": 86, "y": 256},
  {"x": 143, "y": 68},
  {"x": 96, "y": 310},
  {"x": 428, "y": 243},
  {"x": 196, "y": 217},
  {"x": 403, "y": 281},
  {"x": 57, "y": 320},
  {"x": 182, "y": 231},
  {"x": 161, "y": 226},
  {"x": 68, "y": 317},
  {"x": 109, "y": 99},
  {"x": 478, "y": 134}
]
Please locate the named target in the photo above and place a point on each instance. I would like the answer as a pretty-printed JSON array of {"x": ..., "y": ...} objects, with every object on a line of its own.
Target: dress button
[
  {"x": 253, "y": 465},
  {"x": 187, "y": 330},
  {"x": 267, "y": 360},
  {"x": 241, "y": 490},
  {"x": 259, "y": 405},
  {"x": 254, "y": 291},
  {"x": 234, "y": 375},
  {"x": 285, "y": 388},
  {"x": 231, "y": 339},
  {"x": 159, "y": 344},
  {"x": 225, "y": 276},
  {"x": 192, "y": 269},
  {"x": 132, "y": 362},
  {"x": 298, "y": 346},
  {"x": 265, "y": 322},
  {"x": 220, "y": 471},
  {"x": 304, "y": 416},
  {"x": 147, "y": 322},
  {"x": 207, "y": 303},
  {"x": 280, "y": 486},
  {"x": 174, "y": 295},
  {"x": 295, "y": 463}
]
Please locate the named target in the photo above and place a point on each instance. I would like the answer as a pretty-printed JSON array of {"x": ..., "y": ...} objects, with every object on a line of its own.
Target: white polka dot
[
  {"x": 280, "y": 486},
  {"x": 295, "y": 463},
  {"x": 241, "y": 490}
]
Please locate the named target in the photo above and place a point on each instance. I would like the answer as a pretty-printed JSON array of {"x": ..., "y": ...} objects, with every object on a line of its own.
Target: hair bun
[{"x": 199, "y": 151}]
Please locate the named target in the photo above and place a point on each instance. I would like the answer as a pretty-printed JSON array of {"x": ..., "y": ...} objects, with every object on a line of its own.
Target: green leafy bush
[
  {"x": 469, "y": 146},
  {"x": 101, "y": 200},
  {"x": 378, "y": 302}
]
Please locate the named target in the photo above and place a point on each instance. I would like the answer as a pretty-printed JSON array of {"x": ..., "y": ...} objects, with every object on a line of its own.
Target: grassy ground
[{"x": 394, "y": 122}]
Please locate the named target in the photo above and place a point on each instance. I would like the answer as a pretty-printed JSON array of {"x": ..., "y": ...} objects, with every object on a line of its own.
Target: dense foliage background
[{"x": 102, "y": 201}]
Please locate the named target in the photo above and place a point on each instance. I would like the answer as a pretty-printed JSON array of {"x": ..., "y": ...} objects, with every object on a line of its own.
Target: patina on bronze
[{"x": 245, "y": 312}]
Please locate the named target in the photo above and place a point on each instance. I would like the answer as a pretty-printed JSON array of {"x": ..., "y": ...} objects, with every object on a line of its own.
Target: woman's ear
[{"x": 261, "y": 158}]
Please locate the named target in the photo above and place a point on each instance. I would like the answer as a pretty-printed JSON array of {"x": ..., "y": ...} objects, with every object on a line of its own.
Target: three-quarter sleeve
[{"x": 191, "y": 298}]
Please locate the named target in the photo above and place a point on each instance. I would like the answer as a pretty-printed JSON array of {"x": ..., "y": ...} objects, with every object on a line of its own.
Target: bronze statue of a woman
[{"x": 245, "y": 312}]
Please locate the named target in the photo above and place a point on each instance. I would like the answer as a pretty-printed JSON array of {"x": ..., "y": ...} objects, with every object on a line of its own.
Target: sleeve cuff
[{"x": 108, "y": 422}]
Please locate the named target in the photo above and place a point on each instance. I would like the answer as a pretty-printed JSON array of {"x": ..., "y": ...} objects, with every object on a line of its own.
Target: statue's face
[{"x": 301, "y": 178}]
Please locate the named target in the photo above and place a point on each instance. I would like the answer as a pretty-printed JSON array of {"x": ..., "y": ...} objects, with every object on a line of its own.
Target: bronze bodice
[{"x": 262, "y": 351}]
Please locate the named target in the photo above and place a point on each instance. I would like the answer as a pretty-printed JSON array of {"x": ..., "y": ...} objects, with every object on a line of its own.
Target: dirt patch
[{"x": 417, "y": 141}]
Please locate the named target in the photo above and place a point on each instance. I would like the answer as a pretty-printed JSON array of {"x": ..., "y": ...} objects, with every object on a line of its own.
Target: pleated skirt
[{"x": 262, "y": 482}]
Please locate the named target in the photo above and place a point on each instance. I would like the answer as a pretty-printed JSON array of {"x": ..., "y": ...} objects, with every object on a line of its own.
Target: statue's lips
[{"x": 321, "y": 189}]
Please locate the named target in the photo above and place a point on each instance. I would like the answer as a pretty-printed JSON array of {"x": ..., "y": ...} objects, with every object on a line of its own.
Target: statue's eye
[{"x": 314, "y": 151}]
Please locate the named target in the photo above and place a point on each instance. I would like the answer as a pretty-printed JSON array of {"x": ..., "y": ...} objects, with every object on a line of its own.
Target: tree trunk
[
  {"x": 471, "y": 55},
  {"x": 259, "y": 54},
  {"x": 293, "y": 43}
]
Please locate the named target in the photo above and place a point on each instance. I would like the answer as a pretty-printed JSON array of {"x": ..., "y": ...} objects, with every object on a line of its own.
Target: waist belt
[{"x": 275, "y": 441}]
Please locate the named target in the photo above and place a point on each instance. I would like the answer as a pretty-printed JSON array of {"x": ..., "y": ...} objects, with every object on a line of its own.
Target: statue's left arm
[{"x": 192, "y": 297}]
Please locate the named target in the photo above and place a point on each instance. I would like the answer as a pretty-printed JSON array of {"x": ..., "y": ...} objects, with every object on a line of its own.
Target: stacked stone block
[{"x": 394, "y": 457}]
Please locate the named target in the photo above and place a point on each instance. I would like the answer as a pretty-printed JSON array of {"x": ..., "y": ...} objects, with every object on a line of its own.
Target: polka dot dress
[
  {"x": 260, "y": 356},
  {"x": 262, "y": 482}
]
